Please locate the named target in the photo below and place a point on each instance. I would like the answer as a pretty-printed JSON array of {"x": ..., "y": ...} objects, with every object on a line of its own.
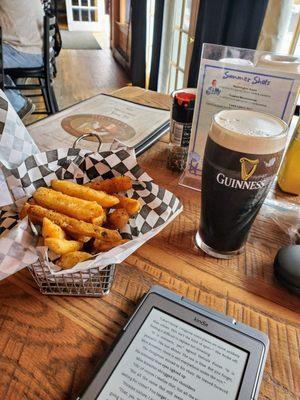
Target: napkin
[{"x": 16, "y": 144}]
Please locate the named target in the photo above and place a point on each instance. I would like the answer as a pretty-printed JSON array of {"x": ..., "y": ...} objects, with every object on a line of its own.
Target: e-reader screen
[{"x": 171, "y": 359}]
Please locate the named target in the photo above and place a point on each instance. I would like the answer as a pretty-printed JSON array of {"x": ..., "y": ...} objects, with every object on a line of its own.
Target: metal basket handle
[{"x": 88, "y": 135}]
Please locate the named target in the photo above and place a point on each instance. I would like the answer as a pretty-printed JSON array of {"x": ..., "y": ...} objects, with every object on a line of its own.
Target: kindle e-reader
[{"x": 175, "y": 349}]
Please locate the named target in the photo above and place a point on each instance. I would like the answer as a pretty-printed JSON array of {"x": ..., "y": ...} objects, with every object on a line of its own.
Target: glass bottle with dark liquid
[{"x": 242, "y": 155}]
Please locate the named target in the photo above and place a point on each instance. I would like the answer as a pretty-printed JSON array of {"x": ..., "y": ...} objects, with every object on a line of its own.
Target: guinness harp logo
[{"x": 248, "y": 167}]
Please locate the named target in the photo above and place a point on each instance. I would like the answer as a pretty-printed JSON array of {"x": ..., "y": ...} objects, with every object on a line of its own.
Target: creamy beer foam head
[{"x": 249, "y": 131}]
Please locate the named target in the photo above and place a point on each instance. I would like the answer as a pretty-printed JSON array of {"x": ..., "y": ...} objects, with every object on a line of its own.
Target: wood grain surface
[{"x": 50, "y": 345}]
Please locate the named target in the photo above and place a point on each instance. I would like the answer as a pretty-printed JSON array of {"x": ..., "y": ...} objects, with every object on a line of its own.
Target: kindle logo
[{"x": 201, "y": 322}]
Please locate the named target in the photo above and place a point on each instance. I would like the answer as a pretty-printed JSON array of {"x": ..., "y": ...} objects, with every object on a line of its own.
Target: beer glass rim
[{"x": 280, "y": 135}]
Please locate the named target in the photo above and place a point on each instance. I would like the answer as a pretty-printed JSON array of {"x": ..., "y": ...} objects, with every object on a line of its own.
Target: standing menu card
[{"x": 232, "y": 78}]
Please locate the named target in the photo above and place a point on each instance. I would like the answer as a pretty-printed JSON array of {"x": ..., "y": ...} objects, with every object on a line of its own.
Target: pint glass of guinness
[{"x": 242, "y": 155}]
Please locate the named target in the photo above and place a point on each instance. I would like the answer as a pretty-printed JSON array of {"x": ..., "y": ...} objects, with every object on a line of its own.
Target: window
[
  {"x": 181, "y": 28},
  {"x": 289, "y": 29},
  {"x": 149, "y": 37}
]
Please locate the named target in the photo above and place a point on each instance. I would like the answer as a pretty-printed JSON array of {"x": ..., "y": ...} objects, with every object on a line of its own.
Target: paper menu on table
[
  {"x": 113, "y": 118},
  {"x": 144, "y": 120},
  {"x": 227, "y": 86},
  {"x": 233, "y": 78}
]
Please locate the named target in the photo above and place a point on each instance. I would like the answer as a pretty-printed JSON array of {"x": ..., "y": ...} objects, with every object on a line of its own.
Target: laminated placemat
[{"x": 17, "y": 241}]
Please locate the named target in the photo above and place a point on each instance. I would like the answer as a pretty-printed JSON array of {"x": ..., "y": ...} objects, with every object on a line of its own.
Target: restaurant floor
[{"x": 83, "y": 74}]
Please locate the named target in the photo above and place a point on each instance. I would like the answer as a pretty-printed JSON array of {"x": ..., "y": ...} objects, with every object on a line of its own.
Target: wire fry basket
[{"x": 95, "y": 282}]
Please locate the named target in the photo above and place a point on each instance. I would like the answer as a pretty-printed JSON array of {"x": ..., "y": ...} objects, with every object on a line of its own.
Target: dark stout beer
[{"x": 242, "y": 155}]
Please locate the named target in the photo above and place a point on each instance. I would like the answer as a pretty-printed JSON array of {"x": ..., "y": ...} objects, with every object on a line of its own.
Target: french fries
[
  {"x": 100, "y": 246},
  {"x": 51, "y": 230},
  {"x": 113, "y": 185},
  {"x": 71, "y": 206},
  {"x": 99, "y": 220},
  {"x": 132, "y": 206},
  {"x": 118, "y": 218},
  {"x": 62, "y": 246},
  {"x": 80, "y": 238},
  {"x": 72, "y": 216},
  {"x": 70, "y": 259},
  {"x": 73, "y": 225},
  {"x": 84, "y": 192},
  {"x": 24, "y": 210}
]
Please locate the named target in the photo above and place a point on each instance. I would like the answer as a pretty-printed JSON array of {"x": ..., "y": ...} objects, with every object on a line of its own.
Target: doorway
[
  {"x": 91, "y": 17},
  {"x": 85, "y": 15}
]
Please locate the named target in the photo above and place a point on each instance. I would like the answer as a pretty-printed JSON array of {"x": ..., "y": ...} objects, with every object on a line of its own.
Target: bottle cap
[
  {"x": 184, "y": 98},
  {"x": 183, "y": 105}
]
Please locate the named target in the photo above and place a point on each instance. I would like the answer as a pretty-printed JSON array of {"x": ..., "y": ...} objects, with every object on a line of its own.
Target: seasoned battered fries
[
  {"x": 113, "y": 185},
  {"x": 132, "y": 206},
  {"x": 99, "y": 220},
  {"x": 71, "y": 206},
  {"x": 69, "y": 260},
  {"x": 100, "y": 245},
  {"x": 73, "y": 225},
  {"x": 118, "y": 218},
  {"x": 80, "y": 238},
  {"x": 62, "y": 246},
  {"x": 51, "y": 230},
  {"x": 24, "y": 210},
  {"x": 84, "y": 192},
  {"x": 72, "y": 216}
]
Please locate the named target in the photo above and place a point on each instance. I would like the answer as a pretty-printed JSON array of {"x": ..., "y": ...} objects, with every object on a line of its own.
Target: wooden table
[{"x": 49, "y": 346}]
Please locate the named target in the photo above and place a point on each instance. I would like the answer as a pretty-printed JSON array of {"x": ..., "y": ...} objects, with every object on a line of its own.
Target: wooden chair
[
  {"x": 43, "y": 74},
  {"x": 50, "y": 6}
]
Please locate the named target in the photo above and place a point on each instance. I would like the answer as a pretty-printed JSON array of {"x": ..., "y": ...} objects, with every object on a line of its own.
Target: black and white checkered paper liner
[
  {"x": 15, "y": 142},
  {"x": 158, "y": 206},
  {"x": 17, "y": 248}
]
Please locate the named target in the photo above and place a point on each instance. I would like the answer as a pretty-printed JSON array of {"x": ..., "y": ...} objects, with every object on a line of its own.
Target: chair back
[
  {"x": 50, "y": 6},
  {"x": 49, "y": 43},
  {"x": 1, "y": 63}
]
